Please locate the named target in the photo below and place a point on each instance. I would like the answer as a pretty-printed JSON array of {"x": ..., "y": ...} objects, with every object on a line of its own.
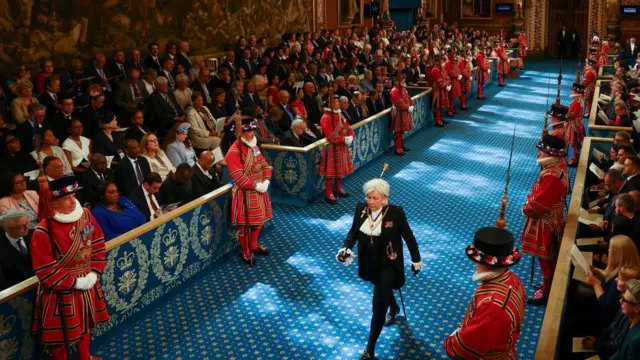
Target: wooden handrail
[
  {"x": 322, "y": 142},
  {"x": 550, "y": 331},
  {"x": 31, "y": 283}
]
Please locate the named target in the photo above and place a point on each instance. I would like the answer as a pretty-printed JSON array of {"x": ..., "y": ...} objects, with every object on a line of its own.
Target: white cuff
[
  {"x": 92, "y": 278},
  {"x": 417, "y": 266},
  {"x": 348, "y": 260},
  {"x": 266, "y": 184},
  {"x": 81, "y": 283}
]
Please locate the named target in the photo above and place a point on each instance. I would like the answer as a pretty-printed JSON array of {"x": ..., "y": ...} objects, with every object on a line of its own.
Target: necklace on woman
[{"x": 374, "y": 223}]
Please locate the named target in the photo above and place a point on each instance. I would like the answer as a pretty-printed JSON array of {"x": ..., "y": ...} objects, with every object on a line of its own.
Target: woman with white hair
[
  {"x": 378, "y": 228},
  {"x": 630, "y": 307}
]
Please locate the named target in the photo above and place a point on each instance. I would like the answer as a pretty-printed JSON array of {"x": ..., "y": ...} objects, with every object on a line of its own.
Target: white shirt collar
[{"x": 206, "y": 173}]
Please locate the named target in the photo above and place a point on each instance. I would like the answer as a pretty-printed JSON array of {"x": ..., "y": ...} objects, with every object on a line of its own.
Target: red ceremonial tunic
[
  {"x": 59, "y": 256},
  {"x": 491, "y": 326},
  {"x": 503, "y": 60},
  {"x": 452, "y": 71},
  {"x": 336, "y": 161},
  {"x": 482, "y": 72},
  {"x": 465, "y": 69},
  {"x": 574, "y": 129},
  {"x": 589, "y": 82},
  {"x": 438, "y": 82},
  {"x": 401, "y": 117},
  {"x": 544, "y": 210},
  {"x": 522, "y": 48},
  {"x": 604, "y": 55},
  {"x": 247, "y": 168}
]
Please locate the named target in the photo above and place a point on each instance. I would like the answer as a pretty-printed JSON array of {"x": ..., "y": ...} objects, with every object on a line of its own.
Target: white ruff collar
[
  {"x": 366, "y": 227},
  {"x": 487, "y": 275},
  {"x": 251, "y": 143},
  {"x": 73, "y": 216},
  {"x": 337, "y": 111}
]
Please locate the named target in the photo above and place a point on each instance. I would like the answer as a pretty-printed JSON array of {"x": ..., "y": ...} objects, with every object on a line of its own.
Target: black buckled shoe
[
  {"x": 331, "y": 199},
  {"x": 343, "y": 193},
  {"x": 261, "y": 251},
  {"x": 405, "y": 149},
  {"x": 399, "y": 153},
  {"x": 366, "y": 355},
  {"x": 537, "y": 299},
  {"x": 391, "y": 315},
  {"x": 248, "y": 260}
]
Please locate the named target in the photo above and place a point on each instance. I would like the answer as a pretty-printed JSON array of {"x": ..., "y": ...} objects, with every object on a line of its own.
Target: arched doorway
[{"x": 574, "y": 15}]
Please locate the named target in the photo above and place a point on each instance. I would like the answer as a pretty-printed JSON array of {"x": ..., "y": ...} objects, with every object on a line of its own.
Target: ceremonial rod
[{"x": 502, "y": 222}]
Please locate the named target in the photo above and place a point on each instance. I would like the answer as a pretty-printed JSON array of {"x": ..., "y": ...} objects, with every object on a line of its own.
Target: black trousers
[{"x": 383, "y": 297}]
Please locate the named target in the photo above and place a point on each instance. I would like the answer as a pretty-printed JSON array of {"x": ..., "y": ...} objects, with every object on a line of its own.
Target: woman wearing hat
[
  {"x": 178, "y": 147},
  {"x": 68, "y": 256},
  {"x": 545, "y": 214},
  {"x": 378, "y": 228},
  {"x": 491, "y": 326}
]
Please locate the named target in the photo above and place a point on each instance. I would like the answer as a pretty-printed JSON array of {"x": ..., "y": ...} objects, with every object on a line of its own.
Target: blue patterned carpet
[{"x": 301, "y": 304}]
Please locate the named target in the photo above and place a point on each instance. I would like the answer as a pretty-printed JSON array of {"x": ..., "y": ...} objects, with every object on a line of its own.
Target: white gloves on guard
[
  {"x": 262, "y": 187},
  {"x": 348, "y": 140},
  {"x": 86, "y": 282}
]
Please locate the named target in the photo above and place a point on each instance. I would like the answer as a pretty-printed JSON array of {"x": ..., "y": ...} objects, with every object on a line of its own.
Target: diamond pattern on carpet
[{"x": 302, "y": 304}]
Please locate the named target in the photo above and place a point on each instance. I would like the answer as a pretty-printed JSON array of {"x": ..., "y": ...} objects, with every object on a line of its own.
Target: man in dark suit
[
  {"x": 374, "y": 103},
  {"x": 349, "y": 112},
  {"x": 36, "y": 125},
  {"x": 631, "y": 50},
  {"x": 251, "y": 100},
  {"x": 144, "y": 196},
  {"x": 314, "y": 112},
  {"x": 292, "y": 137},
  {"x": 133, "y": 169},
  {"x": 312, "y": 77},
  {"x": 167, "y": 72},
  {"x": 631, "y": 171},
  {"x": 222, "y": 80},
  {"x": 386, "y": 94},
  {"x": 134, "y": 62},
  {"x": 91, "y": 115},
  {"x": 230, "y": 64},
  {"x": 247, "y": 64},
  {"x": 91, "y": 180},
  {"x": 177, "y": 187},
  {"x": 205, "y": 178},
  {"x": 162, "y": 108},
  {"x": 152, "y": 61},
  {"x": 183, "y": 58},
  {"x": 287, "y": 114},
  {"x": 575, "y": 43},
  {"x": 99, "y": 74},
  {"x": 201, "y": 85},
  {"x": 15, "y": 260},
  {"x": 50, "y": 97},
  {"x": 61, "y": 121},
  {"x": 116, "y": 68},
  {"x": 342, "y": 88},
  {"x": 563, "y": 40},
  {"x": 129, "y": 96}
]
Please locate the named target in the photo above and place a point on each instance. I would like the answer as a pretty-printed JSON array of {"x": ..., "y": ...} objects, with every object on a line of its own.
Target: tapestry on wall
[{"x": 63, "y": 29}]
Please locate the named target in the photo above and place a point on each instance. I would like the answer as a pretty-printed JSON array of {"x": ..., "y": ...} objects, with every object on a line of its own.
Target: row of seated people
[
  {"x": 617, "y": 104},
  {"x": 604, "y": 303}
]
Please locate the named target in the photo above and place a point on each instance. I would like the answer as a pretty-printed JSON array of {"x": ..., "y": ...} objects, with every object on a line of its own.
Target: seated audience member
[
  {"x": 137, "y": 129},
  {"x": 623, "y": 153},
  {"x": 91, "y": 180},
  {"x": 623, "y": 222},
  {"x": 622, "y": 252},
  {"x": 622, "y": 138},
  {"x": 15, "y": 196},
  {"x": 76, "y": 147},
  {"x": 622, "y": 115},
  {"x": 630, "y": 304},
  {"x": 115, "y": 214},
  {"x": 607, "y": 342},
  {"x": 365, "y": 82},
  {"x": 129, "y": 96},
  {"x": 49, "y": 147},
  {"x": 202, "y": 133},
  {"x": 178, "y": 147},
  {"x": 177, "y": 188},
  {"x": 144, "y": 196},
  {"x": 163, "y": 111},
  {"x": 348, "y": 111},
  {"x": 92, "y": 114},
  {"x": 132, "y": 169},
  {"x": 108, "y": 141},
  {"x": 148, "y": 82},
  {"x": 293, "y": 136},
  {"x": 251, "y": 98},
  {"x": 218, "y": 110},
  {"x": 61, "y": 121},
  {"x": 31, "y": 130},
  {"x": 201, "y": 85},
  {"x": 297, "y": 105},
  {"x": 15, "y": 160},
  {"x": 268, "y": 131},
  {"x": 183, "y": 92},
  {"x": 15, "y": 260},
  {"x": 287, "y": 114},
  {"x": 374, "y": 104},
  {"x": 205, "y": 177},
  {"x": 158, "y": 160},
  {"x": 50, "y": 98},
  {"x": 21, "y": 104},
  {"x": 53, "y": 167},
  {"x": 311, "y": 105},
  {"x": 631, "y": 169}
]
